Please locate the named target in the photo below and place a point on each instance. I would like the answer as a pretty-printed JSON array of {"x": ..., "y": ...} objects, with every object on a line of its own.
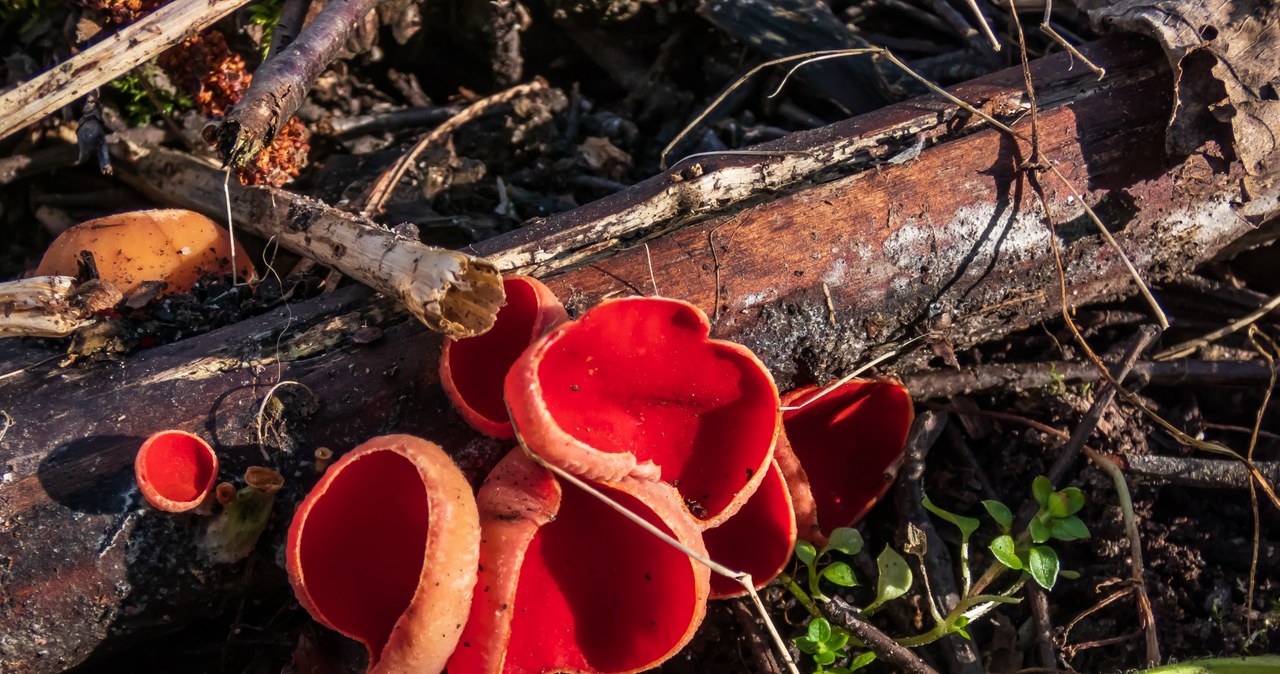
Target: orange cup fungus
[
  {"x": 567, "y": 584},
  {"x": 841, "y": 450},
  {"x": 758, "y": 539},
  {"x": 636, "y": 387},
  {"x": 384, "y": 550},
  {"x": 472, "y": 370},
  {"x": 173, "y": 245},
  {"x": 175, "y": 470}
]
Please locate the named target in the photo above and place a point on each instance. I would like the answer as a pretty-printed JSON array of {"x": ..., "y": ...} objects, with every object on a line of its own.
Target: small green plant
[
  {"x": 267, "y": 15},
  {"x": 1027, "y": 552},
  {"x": 141, "y": 102}
]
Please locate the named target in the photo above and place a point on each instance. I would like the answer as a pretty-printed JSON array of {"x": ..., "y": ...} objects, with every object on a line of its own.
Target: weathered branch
[
  {"x": 281, "y": 83},
  {"x": 114, "y": 56},
  {"x": 51, "y": 306},
  {"x": 449, "y": 291},
  {"x": 949, "y": 242}
]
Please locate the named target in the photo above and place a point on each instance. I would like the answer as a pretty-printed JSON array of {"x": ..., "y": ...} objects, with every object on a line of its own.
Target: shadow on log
[{"x": 809, "y": 259}]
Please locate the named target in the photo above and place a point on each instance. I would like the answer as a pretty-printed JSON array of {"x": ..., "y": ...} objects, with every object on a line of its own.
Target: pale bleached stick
[{"x": 114, "y": 56}]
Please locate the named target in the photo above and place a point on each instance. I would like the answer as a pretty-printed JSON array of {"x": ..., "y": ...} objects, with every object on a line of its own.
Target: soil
[{"x": 625, "y": 78}]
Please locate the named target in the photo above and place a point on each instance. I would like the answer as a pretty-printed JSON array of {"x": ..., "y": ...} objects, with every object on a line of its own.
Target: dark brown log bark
[{"x": 950, "y": 241}]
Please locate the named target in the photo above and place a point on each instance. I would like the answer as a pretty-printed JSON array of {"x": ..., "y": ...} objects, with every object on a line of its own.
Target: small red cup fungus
[
  {"x": 472, "y": 370},
  {"x": 637, "y": 387},
  {"x": 175, "y": 470},
  {"x": 384, "y": 550},
  {"x": 840, "y": 452},
  {"x": 567, "y": 584},
  {"x": 758, "y": 539}
]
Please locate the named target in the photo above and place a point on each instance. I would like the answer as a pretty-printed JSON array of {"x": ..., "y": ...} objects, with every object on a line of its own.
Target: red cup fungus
[
  {"x": 175, "y": 470},
  {"x": 758, "y": 539},
  {"x": 840, "y": 452},
  {"x": 384, "y": 550},
  {"x": 636, "y": 387},
  {"x": 472, "y": 370},
  {"x": 567, "y": 584}
]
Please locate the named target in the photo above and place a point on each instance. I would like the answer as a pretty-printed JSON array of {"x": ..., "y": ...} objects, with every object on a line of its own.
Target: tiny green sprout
[
  {"x": 844, "y": 540},
  {"x": 822, "y": 643},
  {"x": 894, "y": 580}
]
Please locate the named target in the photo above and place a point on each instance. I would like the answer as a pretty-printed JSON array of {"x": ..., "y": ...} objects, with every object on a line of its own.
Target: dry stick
[
  {"x": 1028, "y": 376},
  {"x": 1188, "y": 347},
  {"x": 1047, "y": 29},
  {"x": 1254, "y": 335},
  {"x": 877, "y": 52},
  {"x": 756, "y": 640},
  {"x": 1192, "y": 472},
  {"x": 1043, "y": 625},
  {"x": 114, "y": 56},
  {"x": 281, "y": 83},
  {"x": 840, "y": 613},
  {"x": 381, "y": 190}
]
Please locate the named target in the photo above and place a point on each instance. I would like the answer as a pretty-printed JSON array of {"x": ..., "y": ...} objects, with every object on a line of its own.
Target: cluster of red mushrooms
[{"x": 393, "y": 548}]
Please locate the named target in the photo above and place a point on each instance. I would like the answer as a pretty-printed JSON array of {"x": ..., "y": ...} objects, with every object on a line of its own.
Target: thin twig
[
  {"x": 110, "y": 58},
  {"x": 382, "y": 188},
  {"x": 262, "y": 412},
  {"x": 899, "y": 657},
  {"x": 1188, "y": 347},
  {"x": 895, "y": 350}
]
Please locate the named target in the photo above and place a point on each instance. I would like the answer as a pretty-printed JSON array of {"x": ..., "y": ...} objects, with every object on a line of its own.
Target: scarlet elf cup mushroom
[
  {"x": 840, "y": 450},
  {"x": 384, "y": 550},
  {"x": 567, "y": 584},
  {"x": 175, "y": 470},
  {"x": 636, "y": 387},
  {"x": 472, "y": 369}
]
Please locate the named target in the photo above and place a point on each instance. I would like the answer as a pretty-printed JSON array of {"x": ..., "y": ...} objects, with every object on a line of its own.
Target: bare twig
[
  {"x": 281, "y": 83},
  {"x": 292, "y": 15},
  {"x": 1192, "y": 472},
  {"x": 1188, "y": 347},
  {"x": 840, "y": 613},
  {"x": 381, "y": 190},
  {"x": 114, "y": 56}
]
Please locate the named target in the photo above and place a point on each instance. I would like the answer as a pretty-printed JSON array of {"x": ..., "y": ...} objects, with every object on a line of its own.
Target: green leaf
[
  {"x": 1042, "y": 562},
  {"x": 1069, "y": 529},
  {"x": 1075, "y": 499},
  {"x": 1057, "y": 504},
  {"x": 806, "y": 552},
  {"x": 964, "y": 633},
  {"x": 967, "y": 525},
  {"x": 846, "y": 540},
  {"x": 1069, "y": 574},
  {"x": 840, "y": 574},
  {"x": 806, "y": 645},
  {"x": 838, "y": 640},
  {"x": 1040, "y": 532},
  {"x": 862, "y": 661},
  {"x": 1000, "y": 513},
  {"x": 1005, "y": 550},
  {"x": 824, "y": 657},
  {"x": 819, "y": 630},
  {"x": 1040, "y": 489},
  {"x": 895, "y": 577}
]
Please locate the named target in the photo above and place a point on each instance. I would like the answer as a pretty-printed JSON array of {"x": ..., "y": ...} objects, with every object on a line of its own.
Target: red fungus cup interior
[
  {"x": 758, "y": 539},
  {"x": 175, "y": 470},
  {"x": 640, "y": 375},
  {"x": 473, "y": 369},
  {"x": 362, "y": 565},
  {"x": 849, "y": 443}
]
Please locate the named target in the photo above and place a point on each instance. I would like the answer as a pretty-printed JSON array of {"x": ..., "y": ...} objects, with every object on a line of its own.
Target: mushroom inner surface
[
  {"x": 598, "y": 593},
  {"x": 178, "y": 466},
  {"x": 646, "y": 380},
  {"x": 363, "y": 546},
  {"x": 846, "y": 441},
  {"x": 480, "y": 364}
]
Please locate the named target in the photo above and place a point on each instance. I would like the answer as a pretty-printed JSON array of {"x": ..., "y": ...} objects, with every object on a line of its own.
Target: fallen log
[{"x": 846, "y": 239}]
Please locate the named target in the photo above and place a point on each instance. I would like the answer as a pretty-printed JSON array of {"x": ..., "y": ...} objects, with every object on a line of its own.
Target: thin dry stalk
[
  {"x": 114, "y": 56},
  {"x": 381, "y": 190},
  {"x": 1188, "y": 347},
  {"x": 1267, "y": 351}
]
